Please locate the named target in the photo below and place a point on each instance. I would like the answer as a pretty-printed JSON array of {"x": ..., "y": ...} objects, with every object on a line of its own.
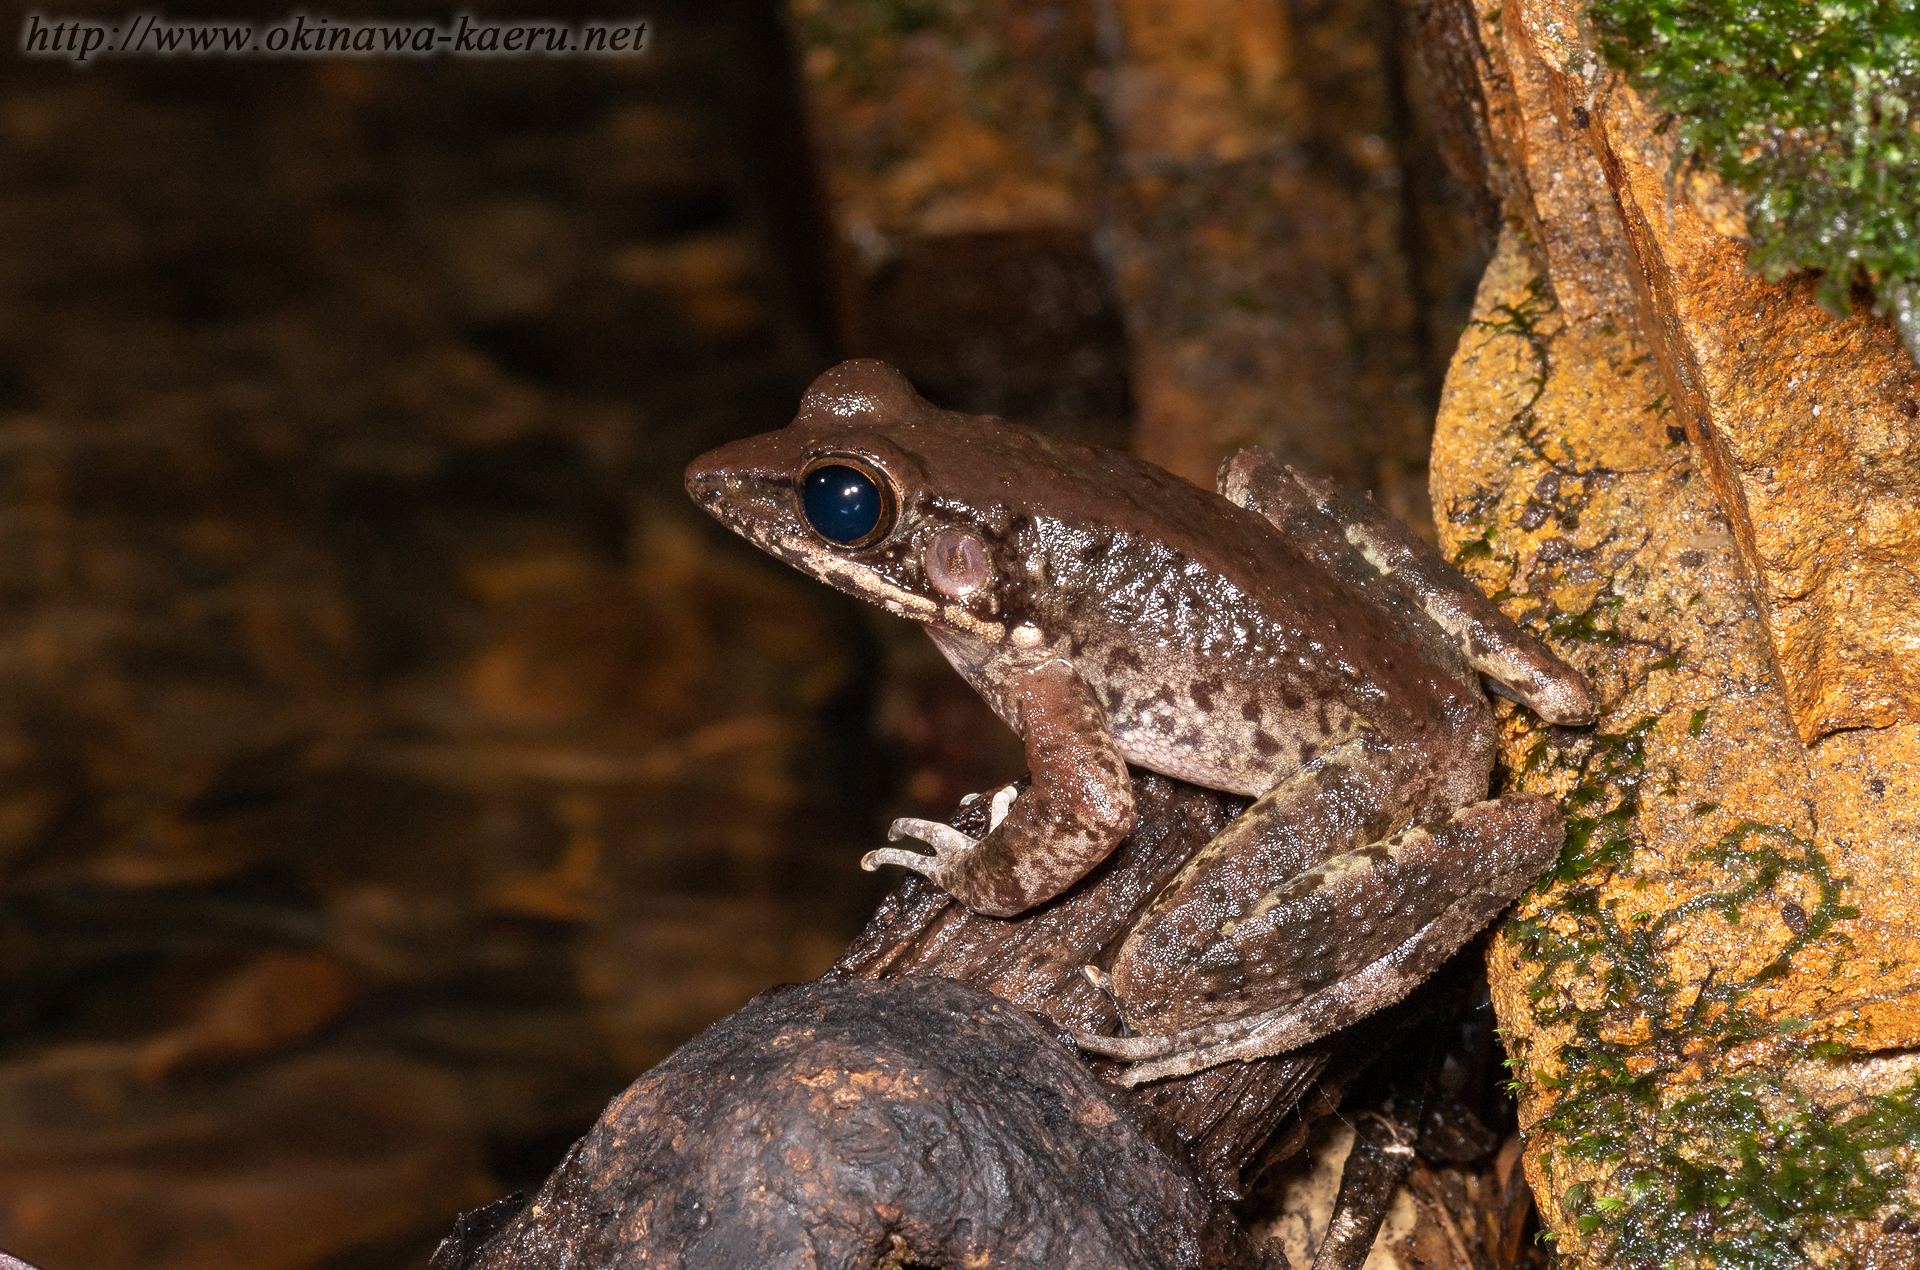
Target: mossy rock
[
  {"x": 1813, "y": 111},
  {"x": 1706, "y": 1003}
]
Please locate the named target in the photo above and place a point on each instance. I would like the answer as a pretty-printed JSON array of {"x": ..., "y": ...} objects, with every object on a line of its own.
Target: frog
[{"x": 1280, "y": 638}]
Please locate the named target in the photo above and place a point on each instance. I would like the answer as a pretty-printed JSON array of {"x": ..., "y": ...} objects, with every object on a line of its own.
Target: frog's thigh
[
  {"x": 1492, "y": 642},
  {"x": 1352, "y": 795},
  {"x": 1342, "y": 939},
  {"x": 1077, "y": 809}
]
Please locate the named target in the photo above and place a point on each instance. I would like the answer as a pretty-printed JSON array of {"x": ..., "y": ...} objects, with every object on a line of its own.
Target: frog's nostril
[{"x": 702, "y": 479}]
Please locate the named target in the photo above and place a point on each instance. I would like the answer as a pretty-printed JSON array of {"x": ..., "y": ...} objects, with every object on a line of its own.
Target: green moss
[
  {"x": 1523, "y": 318},
  {"x": 1813, "y": 111},
  {"x": 1601, "y": 809},
  {"x": 1585, "y": 627},
  {"x": 1747, "y": 1174},
  {"x": 1480, "y": 548},
  {"x": 1727, "y": 1168}
]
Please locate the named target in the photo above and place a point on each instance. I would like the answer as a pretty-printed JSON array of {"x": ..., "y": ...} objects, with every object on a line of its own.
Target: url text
[{"x": 315, "y": 35}]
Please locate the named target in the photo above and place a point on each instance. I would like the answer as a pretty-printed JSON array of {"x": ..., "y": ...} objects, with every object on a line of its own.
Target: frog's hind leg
[
  {"x": 1332, "y": 522},
  {"x": 1340, "y": 940}
]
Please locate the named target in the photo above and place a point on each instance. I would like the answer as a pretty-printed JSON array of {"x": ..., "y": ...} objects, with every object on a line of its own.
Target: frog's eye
[{"x": 847, "y": 501}]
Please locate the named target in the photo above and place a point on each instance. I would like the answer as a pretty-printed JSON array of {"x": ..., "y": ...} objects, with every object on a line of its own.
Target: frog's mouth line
[
  {"x": 807, "y": 553},
  {"x": 908, "y": 604}
]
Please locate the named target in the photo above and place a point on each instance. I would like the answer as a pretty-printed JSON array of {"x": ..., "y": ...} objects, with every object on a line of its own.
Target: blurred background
[{"x": 393, "y": 764}]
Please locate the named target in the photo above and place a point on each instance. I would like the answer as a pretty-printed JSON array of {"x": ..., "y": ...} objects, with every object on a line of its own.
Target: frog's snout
[
  {"x": 718, "y": 488},
  {"x": 704, "y": 479},
  {"x": 734, "y": 473},
  {"x": 745, "y": 485}
]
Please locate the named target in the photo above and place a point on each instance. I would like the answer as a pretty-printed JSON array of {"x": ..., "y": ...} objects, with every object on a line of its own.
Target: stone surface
[
  {"x": 1808, "y": 424},
  {"x": 1725, "y": 965},
  {"x": 1710, "y": 1002}
]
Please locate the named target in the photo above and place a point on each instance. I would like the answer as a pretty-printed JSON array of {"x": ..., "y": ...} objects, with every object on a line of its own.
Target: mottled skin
[{"x": 1282, "y": 639}]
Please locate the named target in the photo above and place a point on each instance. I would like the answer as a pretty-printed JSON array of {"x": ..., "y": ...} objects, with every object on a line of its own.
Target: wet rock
[
  {"x": 1805, "y": 421},
  {"x": 1717, "y": 975}
]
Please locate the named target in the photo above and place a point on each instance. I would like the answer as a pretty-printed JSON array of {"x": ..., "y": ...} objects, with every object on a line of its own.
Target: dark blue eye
[{"x": 846, "y": 504}]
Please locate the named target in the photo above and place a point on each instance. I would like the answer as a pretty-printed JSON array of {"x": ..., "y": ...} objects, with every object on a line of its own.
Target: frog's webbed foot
[{"x": 1043, "y": 840}]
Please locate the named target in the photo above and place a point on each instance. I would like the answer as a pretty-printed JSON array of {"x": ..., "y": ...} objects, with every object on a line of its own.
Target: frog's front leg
[
  {"x": 1244, "y": 955},
  {"x": 1078, "y": 808}
]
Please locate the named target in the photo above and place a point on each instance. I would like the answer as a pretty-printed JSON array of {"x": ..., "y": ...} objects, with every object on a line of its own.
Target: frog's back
[{"x": 1225, "y": 651}]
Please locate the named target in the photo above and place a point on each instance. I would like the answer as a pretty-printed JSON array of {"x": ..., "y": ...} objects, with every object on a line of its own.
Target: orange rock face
[
  {"x": 1700, "y": 487},
  {"x": 1810, "y": 424},
  {"x": 1732, "y": 928}
]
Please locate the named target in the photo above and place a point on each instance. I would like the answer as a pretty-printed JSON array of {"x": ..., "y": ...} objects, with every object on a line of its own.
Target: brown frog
[{"x": 1282, "y": 639}]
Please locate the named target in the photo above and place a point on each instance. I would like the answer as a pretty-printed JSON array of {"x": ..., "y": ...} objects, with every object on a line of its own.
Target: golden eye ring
[{"x": 848, "y": 500}]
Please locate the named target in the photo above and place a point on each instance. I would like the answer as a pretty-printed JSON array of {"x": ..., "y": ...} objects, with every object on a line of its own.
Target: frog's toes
[
  {"x": 1131, "y": 1048},
  {"x": 1103, "y": 984},
  {"x": 997, "y": 809},
  {"x": 1002, "y": 801},
  {"x": 1181, "y": 1054},
  {"x": 948, "y": 844},
  {"x": 943, "y": 838}
]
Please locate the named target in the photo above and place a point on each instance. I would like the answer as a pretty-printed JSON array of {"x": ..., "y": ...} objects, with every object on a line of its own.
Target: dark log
[
  {"x": 853, "y": 1123},
  {"x": 1446, "y": 39}
]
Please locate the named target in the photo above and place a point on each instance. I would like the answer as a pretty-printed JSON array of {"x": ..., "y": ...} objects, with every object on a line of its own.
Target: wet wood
[{"x": 846, "y": 1121}]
